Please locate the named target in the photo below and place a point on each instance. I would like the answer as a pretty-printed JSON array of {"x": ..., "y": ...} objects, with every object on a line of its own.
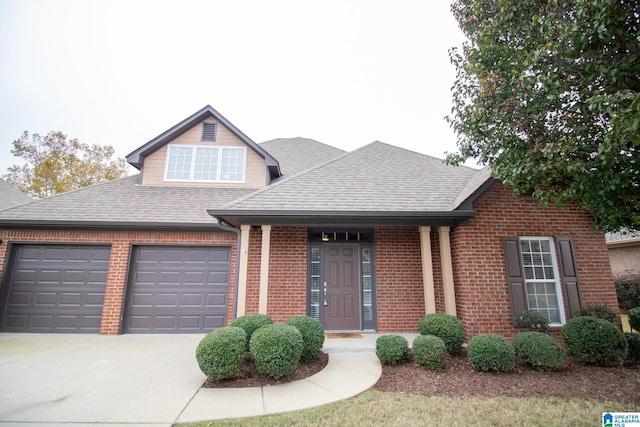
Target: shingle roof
[
  {"x": 10, "y": 196},
  {"x": 376, "y": 177},
  {"x": 625, "y": 238},
  {"x": 122, "y": 202},
  {"x": 299, "y": 154}
]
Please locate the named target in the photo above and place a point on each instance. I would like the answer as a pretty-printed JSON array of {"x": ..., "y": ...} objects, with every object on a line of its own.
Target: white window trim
[
  {"x": 193, "y": 163},
  {"x": 556, "y": 272}
]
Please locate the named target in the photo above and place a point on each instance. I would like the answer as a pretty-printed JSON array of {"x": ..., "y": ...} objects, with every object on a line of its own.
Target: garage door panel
[
  {"x": 56, "y": 288},
  {"x": 177, "y": 289}
]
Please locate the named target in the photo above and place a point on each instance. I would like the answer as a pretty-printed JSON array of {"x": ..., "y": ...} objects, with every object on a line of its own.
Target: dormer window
[
  {"x": 206, "y": 163},
  {"x": 209, "y": 131}
]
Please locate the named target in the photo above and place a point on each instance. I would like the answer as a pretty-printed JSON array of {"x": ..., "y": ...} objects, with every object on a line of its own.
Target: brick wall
[
  {"x": 483, "y": 302},
  {"x": 120, "y": 242},
  {"x": 625, "y": 261},
  {"x": 399, "y": 279}
]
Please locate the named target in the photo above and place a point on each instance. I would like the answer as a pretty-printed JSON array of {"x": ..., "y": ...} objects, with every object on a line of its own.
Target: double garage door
[{"x": 60, "y": 288}]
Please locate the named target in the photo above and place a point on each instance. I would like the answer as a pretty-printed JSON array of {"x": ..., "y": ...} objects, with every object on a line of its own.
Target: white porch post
[
  {"x": 427, "y": 270},
  {"x": 447, "y": 271},
  {"x": 243, "y": 267},
  {"x": 264, "y": 269}
]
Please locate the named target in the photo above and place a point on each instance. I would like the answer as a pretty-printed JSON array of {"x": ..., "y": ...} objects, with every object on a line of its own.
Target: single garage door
[
  {"x": 178, "y": 289},
  {"x": 55, "y": 288}
]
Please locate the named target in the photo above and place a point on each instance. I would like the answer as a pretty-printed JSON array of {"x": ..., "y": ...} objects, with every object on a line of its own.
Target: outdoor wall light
[{"x": 325, "y": 237}]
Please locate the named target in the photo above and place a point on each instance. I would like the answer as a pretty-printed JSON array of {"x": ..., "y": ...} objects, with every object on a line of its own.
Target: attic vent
[{"x": 209, "y": 131}]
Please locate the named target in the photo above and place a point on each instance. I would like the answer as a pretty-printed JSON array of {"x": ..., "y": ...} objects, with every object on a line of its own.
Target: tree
[
  {"x": 547, "y": 93},
  {"x": 55, "y": 164}
]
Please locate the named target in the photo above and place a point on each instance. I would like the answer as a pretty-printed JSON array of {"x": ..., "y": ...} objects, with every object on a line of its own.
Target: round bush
[
  {"x": 595, "y": 341},
  {"x": 538, "y": 350},
  {"x": 250, "y": 323},
  {"x": 530, "y": 319},
  {"x": 633, "y": 340},
  {"x": 600, "y": 310},
  {"x": 392, "y": 349},
  {"x": 429, "y": 351},
  {"x": 446, "y": 327},
  {"x": 276, "y": 349},
  {"x": 312, "y": 336},
  {"x": 634, "y": 319},
  {"x": 219, "y": 354},
  {"x": 628, "y": 291},
  {"x": 491, "y": 353}
]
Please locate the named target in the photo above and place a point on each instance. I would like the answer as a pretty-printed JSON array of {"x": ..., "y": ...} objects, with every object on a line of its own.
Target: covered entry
[
  {"x": 54, "y": 288},
  {"x": 177, "y": 289},
  {"x": 341, "y": 282}
]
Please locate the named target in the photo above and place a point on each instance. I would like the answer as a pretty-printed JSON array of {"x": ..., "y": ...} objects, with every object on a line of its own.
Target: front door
[{"x": 341, "y": 297}]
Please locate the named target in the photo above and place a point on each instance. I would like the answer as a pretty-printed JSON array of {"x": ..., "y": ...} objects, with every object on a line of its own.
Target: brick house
[
  {"x": 216, "y": 226},
  {"x": 624, "y": 253}
]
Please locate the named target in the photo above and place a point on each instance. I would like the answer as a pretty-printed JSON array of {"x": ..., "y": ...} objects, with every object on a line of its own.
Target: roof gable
[{"x": 136, "y": 158}]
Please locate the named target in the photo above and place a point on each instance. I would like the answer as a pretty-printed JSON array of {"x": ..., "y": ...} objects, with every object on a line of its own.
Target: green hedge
[
  {"x": 429, "y": 351},
  {"x": 539, "y": 350},
  {"x": 530, "y": 319},
  {"x": 491, "y": 353},
  {"x": 595, "y": 341},
  {"x": 633, "y": 340},
  {"x": 628, "y": 292},
  {"x": 600, "y": 310},
  {"x": 276, "y": 349},
  {"x": 392, "y": 349},
  {"x": 634, "y": 319},
  {"x": 219, "y": 354},
  {"x": 312, "y": 336},
  {"x": 250, "y": 323},
  {"x": 446, "y": 327}
]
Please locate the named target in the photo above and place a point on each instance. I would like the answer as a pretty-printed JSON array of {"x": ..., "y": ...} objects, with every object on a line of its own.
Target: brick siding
[
  {"x": 483, "y": 302},
  {"x": 625, "y": 261}
]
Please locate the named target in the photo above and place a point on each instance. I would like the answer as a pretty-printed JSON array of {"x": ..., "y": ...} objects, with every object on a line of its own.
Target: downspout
[{"x": 230, "y": 228}]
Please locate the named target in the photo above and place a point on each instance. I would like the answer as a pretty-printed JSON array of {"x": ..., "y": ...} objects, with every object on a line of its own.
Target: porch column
[
  {"x": 427, "y": 270},
  {"x": 264, "y": 269},
  {"x": 243, "y": 267},
  {"x": 447, "y": 271}
]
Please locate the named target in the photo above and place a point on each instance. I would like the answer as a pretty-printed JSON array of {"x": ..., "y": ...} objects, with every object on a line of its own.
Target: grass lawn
[{"x": 377, "y": 408}]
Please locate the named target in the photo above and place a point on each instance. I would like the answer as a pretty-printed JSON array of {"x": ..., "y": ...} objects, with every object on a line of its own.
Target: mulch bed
[{"x": 577, "y": 381}]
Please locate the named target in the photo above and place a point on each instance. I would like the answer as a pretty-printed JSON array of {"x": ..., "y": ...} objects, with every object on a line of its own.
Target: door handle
[{"x": 324, "y": 293}]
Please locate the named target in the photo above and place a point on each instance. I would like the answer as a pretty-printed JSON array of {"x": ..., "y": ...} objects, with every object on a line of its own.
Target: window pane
[
  {"x": 540, "y": 278},
  {"x": 232, "y": 164},
  {"x": 367, "y": 299},
  {"x": 179, "y": 163},
  {"x": 314, "y": 297},
  {"x": 206, "y": 167}
]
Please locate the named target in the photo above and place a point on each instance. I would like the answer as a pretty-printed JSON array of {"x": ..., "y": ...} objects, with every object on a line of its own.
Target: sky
[{"x": 119, "y": 73}]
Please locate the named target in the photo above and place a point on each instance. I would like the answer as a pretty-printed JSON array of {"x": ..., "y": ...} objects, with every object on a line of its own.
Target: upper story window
[{"x": 205, "y": 163}]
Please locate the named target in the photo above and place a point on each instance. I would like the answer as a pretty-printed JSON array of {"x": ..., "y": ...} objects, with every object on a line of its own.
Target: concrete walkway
[{"x": 154, "y": 380}]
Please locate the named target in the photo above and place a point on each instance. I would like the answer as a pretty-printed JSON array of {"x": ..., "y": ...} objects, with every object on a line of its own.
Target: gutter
[{"x": 227, "y": 227}]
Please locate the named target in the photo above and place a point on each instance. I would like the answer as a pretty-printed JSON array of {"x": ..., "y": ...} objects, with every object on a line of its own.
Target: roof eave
[
  {"x": 107, "y": 225},
  {"x": 342, "y": 218}
]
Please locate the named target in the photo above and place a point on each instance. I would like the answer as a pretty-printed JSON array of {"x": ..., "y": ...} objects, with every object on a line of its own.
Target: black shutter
[
  {"x": 569, "y": 274},
  {"x": 515, "y": 276}
]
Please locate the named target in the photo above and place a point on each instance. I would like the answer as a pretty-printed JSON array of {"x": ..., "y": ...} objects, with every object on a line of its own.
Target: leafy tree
[
  {"x": 548, "y": 94},
  {"x": 55, "y": 164}
]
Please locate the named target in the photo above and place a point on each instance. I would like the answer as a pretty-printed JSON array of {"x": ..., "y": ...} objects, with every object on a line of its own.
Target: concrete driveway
[{"x": 87, "y": 379}]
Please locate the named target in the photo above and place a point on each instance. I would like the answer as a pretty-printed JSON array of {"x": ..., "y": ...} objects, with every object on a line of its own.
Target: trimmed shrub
[
  {"x": 530, "y": 319},
  {"x": 539, "y": 350},
  {"x": 633, "y": 340},
  {"x": 634, "y": 319},
  {"x": 276, "y": 349},
  {"x": 250, "y": 323},
  {"x": 312, "y": 336},
  {"x": 219, "y": 354},
  {"x": 595, "y": 340},
  {"x": 392, "y": 349},
  {"x": 600, "y": 310},
  {"x": 491, "y": 353},
  {"x": 628, "y": 291},
  {"x": 429, "y": 351},
  {"x": 446, "y": 327}
]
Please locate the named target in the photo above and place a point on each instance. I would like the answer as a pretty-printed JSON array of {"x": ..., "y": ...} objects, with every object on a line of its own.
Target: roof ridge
[{"x": 453, "y": 205}]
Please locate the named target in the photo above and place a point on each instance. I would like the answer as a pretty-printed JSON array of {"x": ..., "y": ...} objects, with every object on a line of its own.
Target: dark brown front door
[{"x": 342, "y": 281}]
